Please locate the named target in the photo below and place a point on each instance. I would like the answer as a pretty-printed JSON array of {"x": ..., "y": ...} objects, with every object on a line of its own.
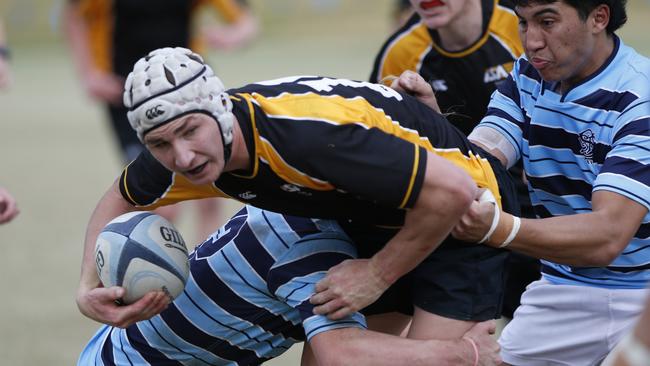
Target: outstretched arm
[
  {"x": 446, "y": 194},
  {"x": 96, "y": 302},
  {"x": 590, "y": 239}
]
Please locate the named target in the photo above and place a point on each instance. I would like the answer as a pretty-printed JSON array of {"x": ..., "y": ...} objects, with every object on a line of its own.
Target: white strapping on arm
[{"x": 492, "y": 139}]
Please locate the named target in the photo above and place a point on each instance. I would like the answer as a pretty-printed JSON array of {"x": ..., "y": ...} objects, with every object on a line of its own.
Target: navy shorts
[{"x": 459, "y": 280}]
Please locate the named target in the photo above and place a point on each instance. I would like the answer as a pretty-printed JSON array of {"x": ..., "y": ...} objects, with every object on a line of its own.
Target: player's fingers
[
  {"x": 322, "y": 297},
  {"x": 322, "y": 285},
  {"x": 329, "y": 307},
  {"x": 340, "y": 313}
]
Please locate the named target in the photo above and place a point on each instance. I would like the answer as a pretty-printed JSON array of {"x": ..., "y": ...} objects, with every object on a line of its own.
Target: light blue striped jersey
[
  {"x": 246, "y": 301},
  {"x": 593, "y": 137}
]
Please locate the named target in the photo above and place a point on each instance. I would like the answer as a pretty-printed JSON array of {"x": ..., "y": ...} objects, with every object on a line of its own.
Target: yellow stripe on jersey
[
  {"x": 126, "y": 186},
  {"x": 341, "y": 111},
  {"x": 413, "y": 46},
  {"x": 416, "y": 161},
  {"x": 256, "y": 136},
  {"x": 505, "y": 26},
  {"x": 264, "y": 150}
]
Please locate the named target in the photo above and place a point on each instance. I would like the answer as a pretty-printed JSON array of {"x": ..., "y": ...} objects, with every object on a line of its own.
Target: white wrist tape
[
  {"x": 487, "y": 196},
  {"x": 516, "y": 224}
]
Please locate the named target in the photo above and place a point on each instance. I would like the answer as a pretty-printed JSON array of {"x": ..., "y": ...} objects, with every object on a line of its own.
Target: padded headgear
[{"x": 172, "y": 82}]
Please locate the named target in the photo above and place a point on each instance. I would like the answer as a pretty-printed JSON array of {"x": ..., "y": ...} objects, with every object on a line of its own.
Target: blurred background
[{"x": 57, "y": 154}]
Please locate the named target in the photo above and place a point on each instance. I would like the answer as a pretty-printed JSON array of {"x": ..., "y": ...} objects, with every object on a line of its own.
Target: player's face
[
  {"x": 558, "y": 43},
  {"x": 438, "y": 13},
  {"x": 191, "y": 146}
]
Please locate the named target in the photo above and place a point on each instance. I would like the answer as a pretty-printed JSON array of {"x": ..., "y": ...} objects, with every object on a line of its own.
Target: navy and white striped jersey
[
  {"x": 595, "y": 136},
  {"x": 246, "y": 301}
]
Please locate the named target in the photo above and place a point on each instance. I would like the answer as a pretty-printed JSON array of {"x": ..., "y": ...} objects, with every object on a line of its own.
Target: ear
[{"x": 599, "y": 18}]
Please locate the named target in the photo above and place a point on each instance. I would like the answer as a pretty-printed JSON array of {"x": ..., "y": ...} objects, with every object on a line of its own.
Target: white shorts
[{"x": 568, "y": 325}]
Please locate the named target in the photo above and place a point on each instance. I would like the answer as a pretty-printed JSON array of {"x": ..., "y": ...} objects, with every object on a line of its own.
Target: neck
[
  {"x": 239, "y": 157},
  {"x": 602, "y": 51},
  {"x": 463, "y": 30}
]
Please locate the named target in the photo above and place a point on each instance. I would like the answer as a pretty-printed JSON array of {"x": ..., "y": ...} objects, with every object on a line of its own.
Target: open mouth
[
  {"x": 425, "y": 5},
  {"x": 197, "y": 170}
]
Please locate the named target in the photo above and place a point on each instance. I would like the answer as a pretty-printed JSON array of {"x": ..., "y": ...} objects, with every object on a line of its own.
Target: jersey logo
[
  {"x": 587, "y": 140},
  {"x": 154, "y": 112},
  {"x": 248, "y": 195},
  {"x": 292, "y": 188},
  {"x": 439, "y": 85},
  {"x": 496, "y": 73}
]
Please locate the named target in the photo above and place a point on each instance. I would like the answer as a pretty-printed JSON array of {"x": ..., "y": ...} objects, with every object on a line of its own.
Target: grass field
[{"x": 57, "y": 157}]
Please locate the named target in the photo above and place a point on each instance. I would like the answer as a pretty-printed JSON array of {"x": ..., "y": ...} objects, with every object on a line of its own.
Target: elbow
[
  {"x": 462, "y": 189},
  {"x": 608, "y": 251}
]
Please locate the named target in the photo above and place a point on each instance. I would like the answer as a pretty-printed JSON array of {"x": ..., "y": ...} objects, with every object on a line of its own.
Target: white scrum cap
[{"x": 172, "y": 82}]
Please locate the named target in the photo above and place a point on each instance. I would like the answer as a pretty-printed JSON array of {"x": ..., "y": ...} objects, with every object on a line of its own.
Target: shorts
[
  {"x": 569, "y": 325},
  {"x": 459, "y": 280}
]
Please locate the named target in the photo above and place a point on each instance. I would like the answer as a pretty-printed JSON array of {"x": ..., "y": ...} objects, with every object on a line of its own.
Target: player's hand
[
  {"x": 347, "y": 288},
  {"x": 104, "y": 87},
  {"x": 8, "y": 207},
  {"x": 100, "y": 304},
  {"x": 476, "y": 221},
  {"x": 412, "y": 83},
  {"x": 488, "y": 349}
]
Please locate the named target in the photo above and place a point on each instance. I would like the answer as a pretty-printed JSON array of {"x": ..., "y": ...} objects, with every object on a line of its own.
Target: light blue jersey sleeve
[{"x": 294, "y": 276}]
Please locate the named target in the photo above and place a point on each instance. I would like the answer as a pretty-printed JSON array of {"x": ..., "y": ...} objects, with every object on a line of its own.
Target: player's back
[{"x": 246, "y": 299}]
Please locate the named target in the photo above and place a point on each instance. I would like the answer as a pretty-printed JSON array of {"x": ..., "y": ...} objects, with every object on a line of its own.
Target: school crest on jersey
[{"x": 587, "y": 140}]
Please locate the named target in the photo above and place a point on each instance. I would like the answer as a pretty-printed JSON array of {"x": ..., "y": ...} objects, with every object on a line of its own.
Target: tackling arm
[
  {"x": 589, "y": 239},
  {"x": 445, "y": 195}
]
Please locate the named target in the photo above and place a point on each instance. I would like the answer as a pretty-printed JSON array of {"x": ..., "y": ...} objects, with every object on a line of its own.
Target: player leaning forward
[{"x": 393, "y": 173}]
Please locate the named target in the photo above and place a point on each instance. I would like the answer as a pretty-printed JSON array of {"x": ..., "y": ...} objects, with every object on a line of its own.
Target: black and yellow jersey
[
  {"x": 322, "y": 147},
  {"x": 122, "y": 31},
  {"x": 463, "y": 80}
]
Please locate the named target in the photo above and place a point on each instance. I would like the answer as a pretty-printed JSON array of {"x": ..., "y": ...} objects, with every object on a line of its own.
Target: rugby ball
[{"x": 142, "y": 252}]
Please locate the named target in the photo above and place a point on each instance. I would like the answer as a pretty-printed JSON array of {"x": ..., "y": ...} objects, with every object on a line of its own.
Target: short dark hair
[{"x": 617, "y": 13}]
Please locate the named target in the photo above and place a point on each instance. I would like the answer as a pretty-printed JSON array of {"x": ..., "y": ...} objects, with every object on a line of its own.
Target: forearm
[
  {"x": 589, "y": 239},
  {"x": 362, "y": 347},
  {"x": 111, "y": 205}
]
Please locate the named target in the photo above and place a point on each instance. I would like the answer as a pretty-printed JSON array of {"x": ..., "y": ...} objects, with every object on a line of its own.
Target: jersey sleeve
[
  {"x": 626, "y": 169},
  {"x": 147, "y": 184},
  {"x": 294, "y": 276}
]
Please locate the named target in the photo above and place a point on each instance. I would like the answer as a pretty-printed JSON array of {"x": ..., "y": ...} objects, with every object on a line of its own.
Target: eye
[
  {"x": 189, "y": 132},
  {"x": 159, "y": 145},
  {"x": 547, "y": 22}
]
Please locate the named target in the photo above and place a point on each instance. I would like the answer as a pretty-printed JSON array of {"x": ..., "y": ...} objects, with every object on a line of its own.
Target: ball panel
[
  {"x": 135, "y": 251},
  {"x": 142, "y": 252},
  {"x": 124, "y": 224},
  {"x": 141, "y": 278}
]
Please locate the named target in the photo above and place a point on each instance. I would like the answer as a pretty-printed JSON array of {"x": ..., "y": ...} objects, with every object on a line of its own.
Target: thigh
[{"x": 426, "y": 325}]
